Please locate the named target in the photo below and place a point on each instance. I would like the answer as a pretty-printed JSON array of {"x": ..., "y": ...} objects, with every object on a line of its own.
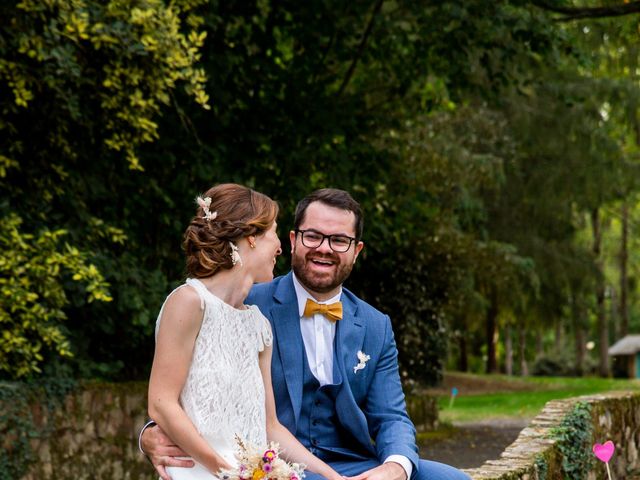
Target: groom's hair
[{"x": 332, "y": 197}]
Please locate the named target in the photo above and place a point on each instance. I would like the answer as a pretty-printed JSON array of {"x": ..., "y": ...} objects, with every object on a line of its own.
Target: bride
[{"x": 211, "y": 375}]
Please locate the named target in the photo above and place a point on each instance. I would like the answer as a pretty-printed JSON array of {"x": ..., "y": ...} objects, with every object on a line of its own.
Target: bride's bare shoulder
[{"x": 184, "y": 301}]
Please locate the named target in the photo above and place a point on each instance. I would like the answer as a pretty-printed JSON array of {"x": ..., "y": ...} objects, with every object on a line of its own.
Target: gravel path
[{"x": 471, "y": 444}]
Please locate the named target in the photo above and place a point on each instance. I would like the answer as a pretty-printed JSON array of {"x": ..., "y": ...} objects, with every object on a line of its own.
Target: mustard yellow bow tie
[{"x": 333, "y": 311}]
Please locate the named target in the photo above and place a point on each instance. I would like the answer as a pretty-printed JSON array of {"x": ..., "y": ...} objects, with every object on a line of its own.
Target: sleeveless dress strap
[{"x": 265, "y": 335}]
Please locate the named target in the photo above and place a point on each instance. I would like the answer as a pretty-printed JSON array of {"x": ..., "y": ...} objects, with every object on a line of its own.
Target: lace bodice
[{"x": 224, "y": 391}]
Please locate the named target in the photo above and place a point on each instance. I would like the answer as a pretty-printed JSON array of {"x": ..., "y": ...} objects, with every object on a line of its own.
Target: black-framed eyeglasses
[{"x": 337, "y": 243}]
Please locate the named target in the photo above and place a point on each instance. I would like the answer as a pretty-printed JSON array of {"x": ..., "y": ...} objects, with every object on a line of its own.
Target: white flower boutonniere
[{"x": 363, "y": 358}]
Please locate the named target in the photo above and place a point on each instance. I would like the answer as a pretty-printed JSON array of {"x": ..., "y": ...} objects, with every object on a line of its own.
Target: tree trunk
[
  {"x": 580, "y": 335},
  {"x": 539, "y": 346},
  {"x": 614, "y": 324},
  {"x": 508, "y": 351},
  {"x": 522, "y": 343},
  {"x": 463, "y": 361},
  {"x": 581, "y": 351},
  {"x": 559, "y": 340},
  {"x": 603, "y": 327},
  {"x": 623, "y": 311},
  {"x": 492, "y": 322}
]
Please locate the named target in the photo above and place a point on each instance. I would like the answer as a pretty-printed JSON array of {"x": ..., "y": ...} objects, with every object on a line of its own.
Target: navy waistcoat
[{"x": 319, "y": 428}]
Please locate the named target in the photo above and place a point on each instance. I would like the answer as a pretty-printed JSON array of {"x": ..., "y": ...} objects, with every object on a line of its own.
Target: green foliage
[
  {"x": 573, "y": 438},
  {"x": 542, "y": 467},
  {"x": 33, "y": 268},
  {"x": 550, "y": 366},
  {"x": 75, "y": 59},
  {"x": 449, "y": 165},
  {"x": 561, "y": 364},
  {"x": 475, "y": 149},
  {"x": 86, "y": 83}
]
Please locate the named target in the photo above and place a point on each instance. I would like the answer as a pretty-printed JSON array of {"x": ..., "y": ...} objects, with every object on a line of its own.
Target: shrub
[
  {"x": 33, "y": 268},
  {"x": 551, "y": 366}
]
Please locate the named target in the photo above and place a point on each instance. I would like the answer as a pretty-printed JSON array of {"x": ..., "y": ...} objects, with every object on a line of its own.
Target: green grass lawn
[{"x": 524, "y": 404}]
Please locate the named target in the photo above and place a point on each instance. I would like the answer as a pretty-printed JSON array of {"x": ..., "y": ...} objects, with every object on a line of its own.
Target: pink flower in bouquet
[
  {"x": 262, "y": 464},
  {"x": 269, "y": 455}
]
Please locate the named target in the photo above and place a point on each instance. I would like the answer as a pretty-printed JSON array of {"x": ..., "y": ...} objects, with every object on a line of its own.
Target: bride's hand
[
  {"x": 162, "y": 451},
  {"x": 386, "y": 471},
  {"x": 337, "y": 476},
  {"x": 223, "y": 465}
]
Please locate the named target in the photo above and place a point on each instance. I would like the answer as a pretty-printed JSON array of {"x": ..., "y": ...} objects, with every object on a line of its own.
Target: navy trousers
[{"x": 427, "y": 470}]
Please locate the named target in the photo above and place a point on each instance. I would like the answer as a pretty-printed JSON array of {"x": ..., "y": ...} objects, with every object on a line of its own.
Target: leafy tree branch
[{"x": 578, "y": 13}]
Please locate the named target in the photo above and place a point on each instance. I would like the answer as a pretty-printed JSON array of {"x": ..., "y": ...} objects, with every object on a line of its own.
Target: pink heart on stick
[{"x": 604, "y": 452}]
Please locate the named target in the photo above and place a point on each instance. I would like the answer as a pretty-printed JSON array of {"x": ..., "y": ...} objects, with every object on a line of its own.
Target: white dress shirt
[{"x": 318, "y": 334}]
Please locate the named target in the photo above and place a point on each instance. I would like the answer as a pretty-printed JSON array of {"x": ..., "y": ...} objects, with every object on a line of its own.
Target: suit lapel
[
  {"x": 286, "y": 321},
  {"x": 350, "y": 335},
  {"x": 349, "y": 338}
]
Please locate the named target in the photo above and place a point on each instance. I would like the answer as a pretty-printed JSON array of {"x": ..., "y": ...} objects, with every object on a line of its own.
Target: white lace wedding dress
[{"x": 224, "y": 392}]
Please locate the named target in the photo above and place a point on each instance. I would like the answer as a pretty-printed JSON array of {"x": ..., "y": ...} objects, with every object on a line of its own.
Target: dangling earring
[{"x": 235, "y": 256}]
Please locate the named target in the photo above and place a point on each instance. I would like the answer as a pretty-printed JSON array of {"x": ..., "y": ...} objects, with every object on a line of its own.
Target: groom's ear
[
  {"x": 292, "y": 239},
  {"x": 358, "y": 248}
]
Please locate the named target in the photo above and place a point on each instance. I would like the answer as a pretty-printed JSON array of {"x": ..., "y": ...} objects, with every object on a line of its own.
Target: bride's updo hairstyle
[{"x": 235, "y": 212}]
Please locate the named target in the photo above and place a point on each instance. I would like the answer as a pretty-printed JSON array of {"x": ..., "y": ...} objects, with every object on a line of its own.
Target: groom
[{"x": 334, "y": 367}]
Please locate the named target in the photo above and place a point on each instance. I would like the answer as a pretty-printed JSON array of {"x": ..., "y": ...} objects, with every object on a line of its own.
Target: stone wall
[
  {"x": 94, "y": 434},
  {"x": 535, "y": 455}
]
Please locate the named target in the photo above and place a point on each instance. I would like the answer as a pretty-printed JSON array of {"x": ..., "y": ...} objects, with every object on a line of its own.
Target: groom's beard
[{"x": 321, "y": 282}]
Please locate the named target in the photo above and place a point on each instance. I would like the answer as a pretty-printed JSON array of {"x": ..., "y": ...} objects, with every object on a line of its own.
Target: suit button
[
  {"x": 314, "y": 441},
  {"x": 314, "y": 422},
  {"x": 316, "y": 403}
]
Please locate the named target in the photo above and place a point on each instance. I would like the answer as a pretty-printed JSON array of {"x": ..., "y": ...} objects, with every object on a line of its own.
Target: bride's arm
[
  {"x": 292, "y": 449},
  {"x": 179, "y": 327}
]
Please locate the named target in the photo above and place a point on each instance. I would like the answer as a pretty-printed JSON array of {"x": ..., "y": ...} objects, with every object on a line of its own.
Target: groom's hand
[
  {"x": 162, "y": 451},
  {"x": 386, "y": 471}
]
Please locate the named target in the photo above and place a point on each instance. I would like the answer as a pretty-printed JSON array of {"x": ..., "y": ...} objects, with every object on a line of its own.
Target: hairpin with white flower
[{"x": 205, "y": 203}]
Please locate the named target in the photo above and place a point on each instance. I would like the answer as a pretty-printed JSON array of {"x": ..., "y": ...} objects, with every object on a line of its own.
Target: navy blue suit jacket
[{"x": 370, "y": 403}]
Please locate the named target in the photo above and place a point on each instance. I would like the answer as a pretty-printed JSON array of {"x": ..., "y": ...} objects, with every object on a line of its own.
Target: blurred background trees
[{"x": 493, "y": 145}]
